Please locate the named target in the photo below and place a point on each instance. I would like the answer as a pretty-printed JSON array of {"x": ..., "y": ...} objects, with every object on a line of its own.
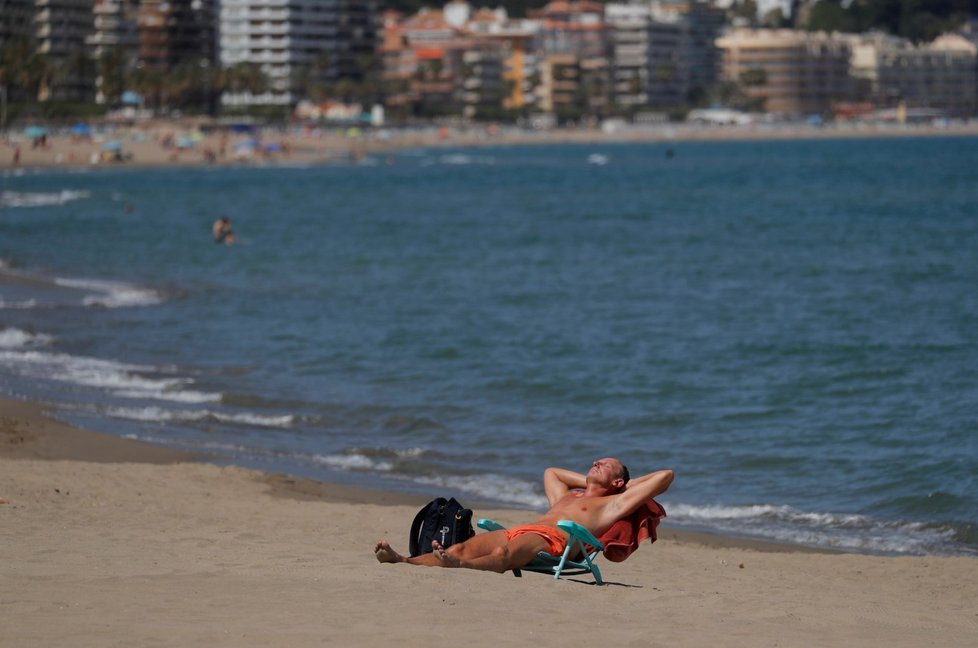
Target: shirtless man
[{"x": 608, "y": 496}]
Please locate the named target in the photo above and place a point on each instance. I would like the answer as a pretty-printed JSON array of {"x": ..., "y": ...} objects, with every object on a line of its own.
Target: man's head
[{"x": 609, "y": 473}]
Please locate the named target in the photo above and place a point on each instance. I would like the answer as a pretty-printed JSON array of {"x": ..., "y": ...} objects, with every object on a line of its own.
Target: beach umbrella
[
  {"x": 82, "y": 130},
  {"x": 130, "y": 98},
  {"x": 112, "y": 145},
  {"x": 35, "y": 132}
]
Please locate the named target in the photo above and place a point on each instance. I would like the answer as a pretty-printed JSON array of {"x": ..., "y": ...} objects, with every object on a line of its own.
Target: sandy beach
[
  {"x": 110, "y": 542},
  {"x": 168, "y": 143}
]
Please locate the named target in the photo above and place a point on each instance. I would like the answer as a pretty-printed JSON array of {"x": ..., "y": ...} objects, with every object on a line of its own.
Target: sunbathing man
[{"x": 608, "y": 496}]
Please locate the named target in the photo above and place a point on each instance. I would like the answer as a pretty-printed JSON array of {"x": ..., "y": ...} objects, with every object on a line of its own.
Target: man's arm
[
  {"x": 638, "y": 490},
  {"x": 557, "y": 482}
]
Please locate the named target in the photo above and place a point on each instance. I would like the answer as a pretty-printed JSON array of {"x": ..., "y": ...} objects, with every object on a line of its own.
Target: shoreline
[
  {"x": 28, "y": 432},
  {"x": 161, "y": 548},
  {"x": 152, "y": 146}
]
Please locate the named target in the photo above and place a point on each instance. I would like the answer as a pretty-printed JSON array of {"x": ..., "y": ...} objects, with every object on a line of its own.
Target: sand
[
  {"x": 161, "y": 550},
  {"x": 144, "y": 143}
]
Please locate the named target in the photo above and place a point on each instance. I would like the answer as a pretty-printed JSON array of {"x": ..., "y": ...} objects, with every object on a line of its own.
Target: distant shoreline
[{"x": 146, "y": 146}]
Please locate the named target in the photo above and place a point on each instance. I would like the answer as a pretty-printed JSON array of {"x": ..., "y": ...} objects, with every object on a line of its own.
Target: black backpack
[{"x": 444, "y": 520}]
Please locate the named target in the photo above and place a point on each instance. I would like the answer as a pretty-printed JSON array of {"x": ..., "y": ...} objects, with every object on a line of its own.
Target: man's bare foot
[
  {"x": 385, "y": 554},
  {"x": 447, "y": 560}
]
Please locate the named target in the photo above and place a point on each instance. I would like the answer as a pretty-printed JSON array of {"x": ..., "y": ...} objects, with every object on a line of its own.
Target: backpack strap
[
  {"x": 415, "y": 529},
  {"x": 414, "y": 547}
]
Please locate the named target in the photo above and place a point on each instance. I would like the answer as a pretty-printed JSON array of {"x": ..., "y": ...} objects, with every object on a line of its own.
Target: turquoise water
[{"x": 791, "y": 326}]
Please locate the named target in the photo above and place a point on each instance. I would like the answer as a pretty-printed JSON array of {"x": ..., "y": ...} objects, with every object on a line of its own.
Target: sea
[{"x": 790, "y": 326}]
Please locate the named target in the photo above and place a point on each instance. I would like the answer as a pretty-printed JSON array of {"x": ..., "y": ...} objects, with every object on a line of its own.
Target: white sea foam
[
  {"x": 173, "y": 396},
  {"x": 40, "y": 199},
  {"x": 844, "y": 531},
  {"x": 459, "y": 159},
  {"x": 12, "y": 338},
  {"x": 112, "y": 294},
  {"x": 353, "y": 462},
  {"x": 491, "y": 486},
  {"x": 161, "y": 415},
  {"x": 117, "y": 378},
  {"x": 18, "y": 305},
  {"x": 216, "y": 446}
]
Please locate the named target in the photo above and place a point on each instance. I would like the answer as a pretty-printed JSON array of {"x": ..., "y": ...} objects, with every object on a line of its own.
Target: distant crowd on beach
[{"x": 165, "y": 143}]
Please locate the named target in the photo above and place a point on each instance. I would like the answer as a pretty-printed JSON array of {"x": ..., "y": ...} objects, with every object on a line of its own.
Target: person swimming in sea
[{"x": 222, "y": 231}]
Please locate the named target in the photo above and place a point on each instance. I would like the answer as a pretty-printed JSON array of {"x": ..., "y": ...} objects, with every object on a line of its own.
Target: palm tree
[
  {"x": 246, "y": 77},
  {"x": 149, "y": 83},
  {"x": 112, "y": 75},
  {"x": 70, "y": 77},
  {"x": 309, "y": 80},
  {"x": 22, "y": 68}
]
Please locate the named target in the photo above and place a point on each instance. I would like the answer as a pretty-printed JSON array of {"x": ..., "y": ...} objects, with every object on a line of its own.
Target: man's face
[{"x": 604, "y": 471}]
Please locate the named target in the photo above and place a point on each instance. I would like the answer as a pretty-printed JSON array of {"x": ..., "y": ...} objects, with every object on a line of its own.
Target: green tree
[
  {"x": 311, "y": 80},
  {"x": 753, "y": 77},
  {"x": 112, "y": 75},
  {"x": 246, "y": 77},
  {"x": 22, "y": 69},
  {"x": 149, "y": 83}
]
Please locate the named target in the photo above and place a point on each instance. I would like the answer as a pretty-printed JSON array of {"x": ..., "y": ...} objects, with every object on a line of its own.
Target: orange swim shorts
[{"x": 554, "y": 536}]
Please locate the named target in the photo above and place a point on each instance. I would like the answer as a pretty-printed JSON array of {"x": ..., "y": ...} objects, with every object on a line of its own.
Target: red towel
[{"x": 625, "y": 535}]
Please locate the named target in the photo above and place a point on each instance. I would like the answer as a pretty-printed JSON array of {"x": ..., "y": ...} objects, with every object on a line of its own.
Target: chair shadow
[{"x": 606, "y": 583}]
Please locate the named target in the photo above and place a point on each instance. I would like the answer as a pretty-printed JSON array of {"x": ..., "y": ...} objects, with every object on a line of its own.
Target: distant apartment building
[
  {"x": 16, "y": 20},
  {"x": 572, "y": 28},
  {"x": 569, "y": 32},
  {"x": 172, "y": 33},
  {"x": 16, "y": 24},
  {"x": 455, "y": 61},
  {"x": 60, "y": 30},
  {"x": 628, "y": 29},
  {"x": 484, "y": 58},
  {"x": 115, "y": 27},
  {"x": 789, "y": 72},
  {"x": 517, "y": 38},
  {"x": 942, "y": 75},
  {"x": 115, "y": 34},
  {"x": 282, "y": 36},
  {"x": 420, "y": 62},
  {"x": 667, "y": 69},
  {"x": 701, "y": 23},
  {"x": 663, "y": 52}
]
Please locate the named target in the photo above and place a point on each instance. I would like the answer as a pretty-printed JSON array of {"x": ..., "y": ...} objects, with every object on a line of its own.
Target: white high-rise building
[{"x": 281, "y": 36}]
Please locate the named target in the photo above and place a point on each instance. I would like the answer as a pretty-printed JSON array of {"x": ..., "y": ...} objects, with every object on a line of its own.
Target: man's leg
[
  {"x": 511, "y": 554},
  {"x": 490, "y": 551},
  {"x": 477, "y": 545}
]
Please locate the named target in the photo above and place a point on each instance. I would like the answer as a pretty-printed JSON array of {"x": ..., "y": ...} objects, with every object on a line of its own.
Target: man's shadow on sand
[{"x": 604, "y": 584}]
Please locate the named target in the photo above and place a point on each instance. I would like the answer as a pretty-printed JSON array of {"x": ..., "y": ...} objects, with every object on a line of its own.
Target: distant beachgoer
[
  {"x": 222, "y": 231},
  {"x": 16, "y": 155}
]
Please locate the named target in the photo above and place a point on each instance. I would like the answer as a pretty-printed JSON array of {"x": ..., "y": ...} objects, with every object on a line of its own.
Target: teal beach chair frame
[{"x": 580, "y": 538}]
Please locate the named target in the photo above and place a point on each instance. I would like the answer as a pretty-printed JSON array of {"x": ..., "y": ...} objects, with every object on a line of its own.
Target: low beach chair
[{"x": 582, "y": 545}]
